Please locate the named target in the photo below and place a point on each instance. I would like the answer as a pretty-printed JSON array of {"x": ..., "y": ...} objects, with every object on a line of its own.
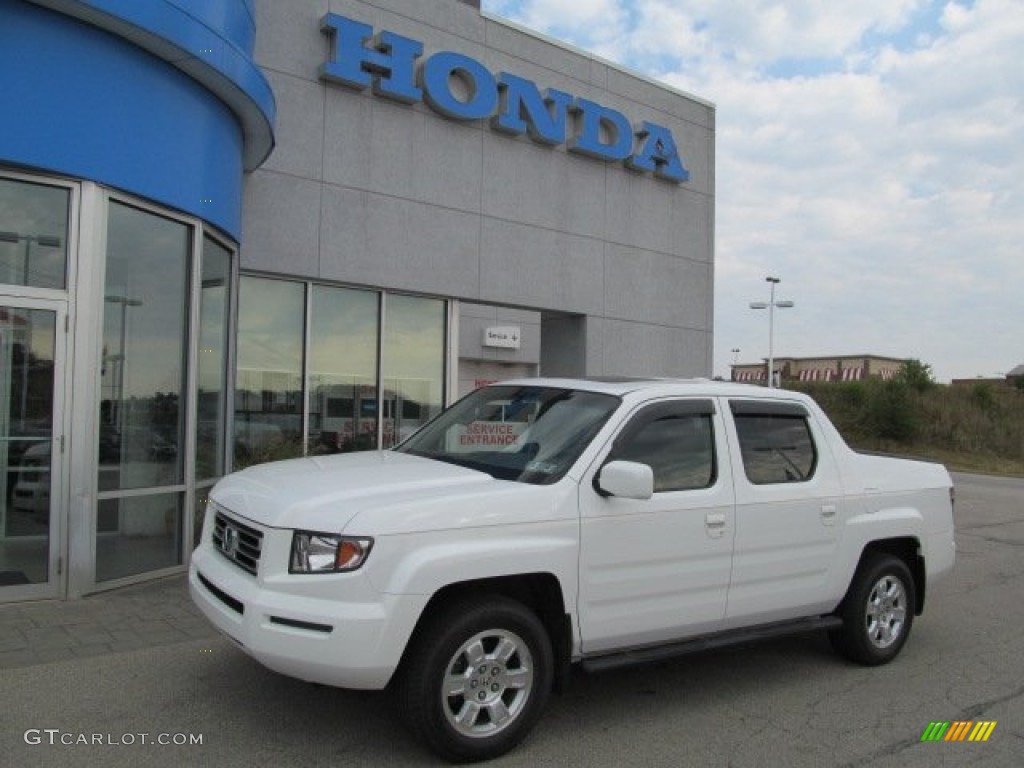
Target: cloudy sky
[{"x": 869, "y": 153}]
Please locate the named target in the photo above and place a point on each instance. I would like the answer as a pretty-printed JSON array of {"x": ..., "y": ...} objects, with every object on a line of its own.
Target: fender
[
  {"x": 862, "y": 529},
  {"x": 423, "y": 564}
]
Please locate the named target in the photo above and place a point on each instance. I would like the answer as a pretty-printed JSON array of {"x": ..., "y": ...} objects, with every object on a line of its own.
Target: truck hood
[{"x": 324, "y": 493}]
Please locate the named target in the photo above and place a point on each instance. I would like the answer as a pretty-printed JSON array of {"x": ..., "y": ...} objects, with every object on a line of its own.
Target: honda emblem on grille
[{"x": 229, "y": 541}]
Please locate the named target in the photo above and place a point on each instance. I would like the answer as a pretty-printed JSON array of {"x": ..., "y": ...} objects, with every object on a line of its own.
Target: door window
[
  {"x": 27, "y": 364},
  {"x": 676, "y": 440},
  {"x": 775, "y": 442}
]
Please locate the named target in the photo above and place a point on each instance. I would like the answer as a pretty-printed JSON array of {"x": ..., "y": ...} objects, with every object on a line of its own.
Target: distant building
[
  {"x": 838, "y": 368},
  {"x": 1014, "y": 378}
]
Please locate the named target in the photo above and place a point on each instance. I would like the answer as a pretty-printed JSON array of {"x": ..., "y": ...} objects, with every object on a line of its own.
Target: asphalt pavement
[{"x": 136, "y": 678}]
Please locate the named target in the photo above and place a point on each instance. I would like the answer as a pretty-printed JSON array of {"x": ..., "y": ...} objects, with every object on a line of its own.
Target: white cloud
[{"x": 870, "y": 153}]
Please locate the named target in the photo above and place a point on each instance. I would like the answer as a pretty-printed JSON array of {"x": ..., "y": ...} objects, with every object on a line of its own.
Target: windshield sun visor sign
[{"x": 461, "y": 88}]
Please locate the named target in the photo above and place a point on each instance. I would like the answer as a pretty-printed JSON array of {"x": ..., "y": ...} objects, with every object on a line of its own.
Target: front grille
[{"x": 237, "y": 542}]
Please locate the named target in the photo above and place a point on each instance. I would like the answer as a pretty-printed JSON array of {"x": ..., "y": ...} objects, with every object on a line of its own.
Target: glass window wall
[
  {"x": 146, "y": 299},
  {"x": 414, "y": 364},
  {"x": 343, "y": 370},
  {"x": 268, "y": 386},
  {"x": 351, "y": 349},
  {"x": 143, "y": 393},
  {"x": 214, "y": 325}
]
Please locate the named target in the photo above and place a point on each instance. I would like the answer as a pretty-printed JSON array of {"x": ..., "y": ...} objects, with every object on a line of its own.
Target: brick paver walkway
[{"x": 141, "y": 616}]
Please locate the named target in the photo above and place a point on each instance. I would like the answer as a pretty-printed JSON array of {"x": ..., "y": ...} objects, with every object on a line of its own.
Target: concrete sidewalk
[{"x": 142, "y": 616}]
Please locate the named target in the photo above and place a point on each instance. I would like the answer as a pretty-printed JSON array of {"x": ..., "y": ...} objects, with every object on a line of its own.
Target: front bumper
[{"x": 308, "y": 632}]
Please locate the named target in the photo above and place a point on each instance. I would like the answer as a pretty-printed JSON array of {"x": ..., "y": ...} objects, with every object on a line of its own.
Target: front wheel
[
  {"x": 877, "y": 612},
  {"x": 476, "y": 679}
]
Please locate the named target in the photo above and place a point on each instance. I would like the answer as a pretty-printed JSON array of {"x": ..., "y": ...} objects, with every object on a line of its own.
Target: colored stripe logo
[{"x": 958, "y": 730}]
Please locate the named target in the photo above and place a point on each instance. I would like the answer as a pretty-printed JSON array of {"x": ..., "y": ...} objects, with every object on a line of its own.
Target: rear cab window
[{"x": 776, "y": 442}]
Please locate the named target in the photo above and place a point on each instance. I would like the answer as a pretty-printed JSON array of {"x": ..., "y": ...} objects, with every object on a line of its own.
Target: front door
[
  {"x": 658, "y": 570},
  {"x": 32, "y": 344}
]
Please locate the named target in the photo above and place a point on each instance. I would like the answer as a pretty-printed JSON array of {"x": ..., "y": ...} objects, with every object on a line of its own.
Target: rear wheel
[
  {"x": 476, "y": 680},
  {"x": 877, "y": 612}
]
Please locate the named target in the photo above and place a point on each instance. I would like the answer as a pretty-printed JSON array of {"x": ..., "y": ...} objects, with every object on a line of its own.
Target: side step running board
[{"x": 708, "y": 642}]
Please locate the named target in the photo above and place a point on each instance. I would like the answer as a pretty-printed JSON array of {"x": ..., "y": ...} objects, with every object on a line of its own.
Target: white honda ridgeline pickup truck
[{"x": 541, "y": 523}]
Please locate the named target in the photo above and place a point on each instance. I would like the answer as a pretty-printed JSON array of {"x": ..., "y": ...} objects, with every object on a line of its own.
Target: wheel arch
[
  {"x": 907, "y": 549},
  {"x": 541, "y": 592}
]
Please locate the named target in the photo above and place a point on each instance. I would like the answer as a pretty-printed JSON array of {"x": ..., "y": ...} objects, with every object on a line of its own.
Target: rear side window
[
  {"x": 775, "y": 443},
  {"x": 677, "y": 441}
]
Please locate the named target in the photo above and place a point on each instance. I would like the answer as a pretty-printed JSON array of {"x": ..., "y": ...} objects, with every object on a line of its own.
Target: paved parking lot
[{"x": 785, "y": 703}]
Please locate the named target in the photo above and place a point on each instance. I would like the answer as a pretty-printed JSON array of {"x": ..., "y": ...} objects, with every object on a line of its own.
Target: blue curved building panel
[{"x": 160, "y": 98}]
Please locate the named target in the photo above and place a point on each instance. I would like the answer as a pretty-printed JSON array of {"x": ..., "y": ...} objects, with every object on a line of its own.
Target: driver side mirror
[{"x": 626, "y": 480}]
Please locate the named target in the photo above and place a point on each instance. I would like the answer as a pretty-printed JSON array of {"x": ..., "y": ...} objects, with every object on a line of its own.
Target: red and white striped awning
[
  {"x": 852, "y": 374},
  {"x": 749, "y": 375},
  {"x": 816, "y": 374}
]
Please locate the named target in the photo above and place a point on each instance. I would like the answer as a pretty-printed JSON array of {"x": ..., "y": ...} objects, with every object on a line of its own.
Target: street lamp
[{"x": 770, "y": 306}]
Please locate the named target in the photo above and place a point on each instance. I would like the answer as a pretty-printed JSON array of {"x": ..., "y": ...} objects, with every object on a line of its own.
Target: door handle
[
  {"x": 828, "y": 513},
  {"x": 714, "y": 520}
]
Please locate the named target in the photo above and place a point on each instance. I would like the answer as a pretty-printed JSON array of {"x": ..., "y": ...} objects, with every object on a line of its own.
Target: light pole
[
  {"x": 770, "y": 306},
  {"x": 118, "y": 392}
]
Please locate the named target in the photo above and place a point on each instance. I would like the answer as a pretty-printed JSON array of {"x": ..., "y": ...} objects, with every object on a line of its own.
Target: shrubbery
[{"x": 979, "y": 427}]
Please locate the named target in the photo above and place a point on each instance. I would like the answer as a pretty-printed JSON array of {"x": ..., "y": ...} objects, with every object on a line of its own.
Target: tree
[{"x": 916, "y": 375}]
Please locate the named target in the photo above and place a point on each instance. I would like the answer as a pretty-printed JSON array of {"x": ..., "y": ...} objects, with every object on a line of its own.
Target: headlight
[{"x": 327, "y": 553}]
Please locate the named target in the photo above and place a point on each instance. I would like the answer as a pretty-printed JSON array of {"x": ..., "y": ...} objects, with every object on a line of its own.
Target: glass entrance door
[{"x": 31, "y": 447}]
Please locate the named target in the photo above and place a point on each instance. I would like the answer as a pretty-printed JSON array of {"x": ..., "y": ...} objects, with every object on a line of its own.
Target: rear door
[
  {"x": 658, "y": 569},
  {"x": 788, "y": 509}
]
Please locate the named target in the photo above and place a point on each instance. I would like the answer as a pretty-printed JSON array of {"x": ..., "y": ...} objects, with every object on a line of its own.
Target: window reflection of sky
[
  {"x": 414, "y": 346},
  {"x": 28, "y": 212},
  {"x": 147, "y": 262},
  {"x": 270, "y": 318},
  {"x": 344, "y": 333}
]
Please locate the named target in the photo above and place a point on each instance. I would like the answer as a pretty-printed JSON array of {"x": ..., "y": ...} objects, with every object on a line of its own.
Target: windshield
[{"x": 530, "y": 434}]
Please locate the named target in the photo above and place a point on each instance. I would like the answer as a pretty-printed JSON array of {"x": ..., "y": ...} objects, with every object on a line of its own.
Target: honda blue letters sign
[{"x": 389, "y": 64}]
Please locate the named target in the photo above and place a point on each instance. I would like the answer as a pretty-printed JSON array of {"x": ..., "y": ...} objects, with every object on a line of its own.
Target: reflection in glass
[
  {"x": 268, "y": 387},
  {"x": 27, "y": 339},
  {"x": 33, "y": 234},
  {"x": 343, "y": 370},
  {"x": 142, "y": 421},
  {"x": 413, "y": 386},
  {"x": 138, "y": 534},
  {"x": 213, "y": 344}
]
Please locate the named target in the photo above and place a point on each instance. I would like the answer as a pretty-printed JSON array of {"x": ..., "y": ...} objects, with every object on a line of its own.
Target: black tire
[
  {"x": 509, "y": 680},
  {"x": 877, "y": 612}
]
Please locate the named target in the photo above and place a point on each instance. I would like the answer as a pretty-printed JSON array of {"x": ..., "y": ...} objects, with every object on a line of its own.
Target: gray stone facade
[{"x": 616, "y": 265}]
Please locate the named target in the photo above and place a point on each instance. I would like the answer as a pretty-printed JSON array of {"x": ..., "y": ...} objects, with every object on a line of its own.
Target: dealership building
[{"x": 234, "y": 231}]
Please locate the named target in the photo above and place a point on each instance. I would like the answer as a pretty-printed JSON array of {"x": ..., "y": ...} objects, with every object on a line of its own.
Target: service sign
[
  {"x": 389, "y": 63},
  {"x": 503, "y": 336}
]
